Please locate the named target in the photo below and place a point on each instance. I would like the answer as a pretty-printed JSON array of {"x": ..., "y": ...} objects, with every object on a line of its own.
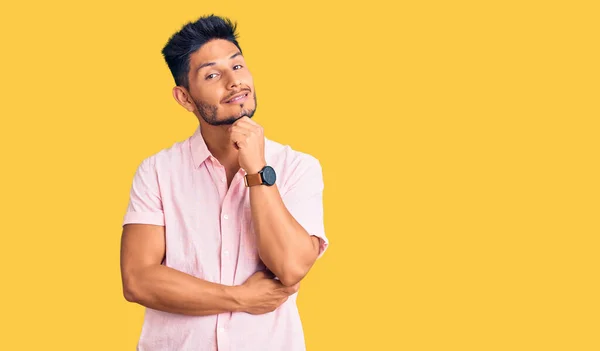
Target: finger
[
  {"x": 247, "y": 133},
  {"x": 245, "y": 119},
  {"x": 239, "y": 145},
  {"x": 261, "y": 274},
  {"x": 241, "y": 122},
  {"x": 290, "y": 290},
  {"x": 239, "y": 140},
  {"x": 248, "y": 120},
  {"x": 244, "y": 128},
  {"x": 240, "y": 129},
  {"x": 281, "y": 300},
  {"x": 248, "y": 124}
]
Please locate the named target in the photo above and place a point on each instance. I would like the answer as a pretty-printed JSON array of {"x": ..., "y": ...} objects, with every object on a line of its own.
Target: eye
[
  {"x": 240, "y": 67},
  {"x": 211, "y": 76}
]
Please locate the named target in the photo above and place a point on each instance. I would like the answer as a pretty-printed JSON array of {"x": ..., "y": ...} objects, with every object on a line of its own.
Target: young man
[{"x": 222, "y": 227}]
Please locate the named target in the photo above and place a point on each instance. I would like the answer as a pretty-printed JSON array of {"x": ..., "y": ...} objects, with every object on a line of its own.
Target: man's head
[{"x": 210, "y": 73}]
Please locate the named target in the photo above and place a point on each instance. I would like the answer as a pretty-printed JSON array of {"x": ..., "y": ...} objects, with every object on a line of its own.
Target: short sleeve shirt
[{"x": 209, "y": 234}]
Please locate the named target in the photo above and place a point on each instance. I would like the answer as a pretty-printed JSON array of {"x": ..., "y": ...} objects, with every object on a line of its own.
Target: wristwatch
[{"x": 266, "y": 176}]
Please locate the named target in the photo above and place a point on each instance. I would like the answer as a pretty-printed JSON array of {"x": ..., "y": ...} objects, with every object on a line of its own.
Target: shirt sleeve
[
  {"x": 304, "y": 199},
  {"x": 145, "y": 203}
]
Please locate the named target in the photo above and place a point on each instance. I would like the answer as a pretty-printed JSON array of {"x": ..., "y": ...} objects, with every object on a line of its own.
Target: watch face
[{"x": 268, "y": 175}]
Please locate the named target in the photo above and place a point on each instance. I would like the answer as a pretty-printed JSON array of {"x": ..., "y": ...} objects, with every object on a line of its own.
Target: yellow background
[{"x": 458, "y": 139}]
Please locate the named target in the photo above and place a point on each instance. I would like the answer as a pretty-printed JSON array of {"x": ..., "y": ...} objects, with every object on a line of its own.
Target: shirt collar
[{"x": 200, "y": 151}]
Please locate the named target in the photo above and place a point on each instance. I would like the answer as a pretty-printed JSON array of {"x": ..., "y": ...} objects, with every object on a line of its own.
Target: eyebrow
[{"x": 213, "y": 63}]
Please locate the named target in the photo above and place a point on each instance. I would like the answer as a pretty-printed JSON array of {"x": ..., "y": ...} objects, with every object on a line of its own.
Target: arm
[
  {"x": 284, "y": 245},
  {"x": 289, "y": 230},
  {"x": 147, "y": 282},
  {"x": 151, "y": 284}
]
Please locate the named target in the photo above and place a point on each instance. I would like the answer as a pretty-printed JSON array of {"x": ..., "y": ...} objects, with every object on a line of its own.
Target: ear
[{"x": 182, "y": 96}]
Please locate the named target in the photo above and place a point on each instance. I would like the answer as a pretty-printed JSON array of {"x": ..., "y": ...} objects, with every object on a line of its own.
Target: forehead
[{"x": 213, "y": 51}]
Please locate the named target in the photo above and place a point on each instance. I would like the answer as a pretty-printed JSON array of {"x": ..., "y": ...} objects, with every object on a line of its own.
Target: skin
[{"x": 217, "y": 73}]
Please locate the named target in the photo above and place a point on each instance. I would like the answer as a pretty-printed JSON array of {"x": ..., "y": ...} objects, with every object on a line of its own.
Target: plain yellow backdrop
[{"x": 458, "y": 139}]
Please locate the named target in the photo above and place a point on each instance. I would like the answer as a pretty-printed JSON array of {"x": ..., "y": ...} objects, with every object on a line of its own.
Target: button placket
[{"x": 227, "y": 225}]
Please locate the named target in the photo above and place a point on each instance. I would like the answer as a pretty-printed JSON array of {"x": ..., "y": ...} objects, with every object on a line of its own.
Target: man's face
[{"x": 220, "y": 84}]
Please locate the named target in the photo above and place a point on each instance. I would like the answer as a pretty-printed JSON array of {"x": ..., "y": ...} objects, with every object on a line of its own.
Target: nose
[{"x": 233, "y": 81}]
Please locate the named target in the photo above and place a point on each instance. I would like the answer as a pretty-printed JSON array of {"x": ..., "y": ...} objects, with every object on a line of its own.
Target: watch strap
[{"x": 253, "y": 179}]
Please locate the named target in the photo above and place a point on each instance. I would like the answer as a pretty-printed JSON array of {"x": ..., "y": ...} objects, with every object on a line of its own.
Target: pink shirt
[{"x": 209, "y": 235}]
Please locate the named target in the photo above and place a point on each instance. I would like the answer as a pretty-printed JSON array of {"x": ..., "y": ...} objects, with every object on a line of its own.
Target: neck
[{"x": 219, "y": 144}]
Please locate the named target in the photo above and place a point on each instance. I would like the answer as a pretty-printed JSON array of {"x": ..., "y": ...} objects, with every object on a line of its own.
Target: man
[{"x": 220, "y": 228}]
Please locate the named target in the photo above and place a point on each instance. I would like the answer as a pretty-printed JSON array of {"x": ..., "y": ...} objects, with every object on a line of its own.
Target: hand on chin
[{"x": 247, "y": 137}]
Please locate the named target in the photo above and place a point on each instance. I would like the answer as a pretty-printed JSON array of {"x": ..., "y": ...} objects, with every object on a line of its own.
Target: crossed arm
[{"x": 284, "y": 245}]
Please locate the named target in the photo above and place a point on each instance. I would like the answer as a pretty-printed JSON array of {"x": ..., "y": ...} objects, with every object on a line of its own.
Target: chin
[{"x": 244, "y": 112}]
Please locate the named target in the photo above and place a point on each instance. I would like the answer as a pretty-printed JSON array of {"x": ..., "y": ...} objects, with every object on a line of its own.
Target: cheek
[
  {"x": 250, "y": 81},
  {"x": 209, "y": 96}
]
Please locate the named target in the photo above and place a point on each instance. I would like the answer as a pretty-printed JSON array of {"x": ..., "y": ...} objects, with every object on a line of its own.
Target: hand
[
  {"x": 261, "y": 293},
  {"x": 248, "y": 137}
]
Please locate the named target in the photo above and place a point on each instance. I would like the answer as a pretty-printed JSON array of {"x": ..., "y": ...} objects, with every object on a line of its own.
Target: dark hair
[{"x": 190, "y": 38}]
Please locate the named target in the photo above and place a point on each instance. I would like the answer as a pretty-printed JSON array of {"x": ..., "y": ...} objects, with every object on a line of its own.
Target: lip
[{"x": 238, "y": 98}]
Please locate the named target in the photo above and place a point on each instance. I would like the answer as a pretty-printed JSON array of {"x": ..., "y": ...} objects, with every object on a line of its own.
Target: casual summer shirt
[{"x": 209, "y": 234}]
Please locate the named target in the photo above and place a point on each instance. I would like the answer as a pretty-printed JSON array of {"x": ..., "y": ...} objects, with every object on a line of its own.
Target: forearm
[
  {"x": 283, "y": 244},
  {"x": 166, "y": 289}
]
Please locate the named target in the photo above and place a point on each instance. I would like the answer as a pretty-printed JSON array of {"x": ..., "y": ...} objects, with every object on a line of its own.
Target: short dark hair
[{"x": 190, "y": 38}]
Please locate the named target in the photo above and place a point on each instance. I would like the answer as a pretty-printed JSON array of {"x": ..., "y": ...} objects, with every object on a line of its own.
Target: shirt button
[
  {"x": 226, "y": 216},
  {"x": 222, "y": 180},
  {"x": 226, "y": 253},
  {"x": 221, "y": 330}
]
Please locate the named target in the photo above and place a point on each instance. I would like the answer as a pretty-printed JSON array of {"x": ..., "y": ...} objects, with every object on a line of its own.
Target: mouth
[{"x": 238, "y": 98}]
